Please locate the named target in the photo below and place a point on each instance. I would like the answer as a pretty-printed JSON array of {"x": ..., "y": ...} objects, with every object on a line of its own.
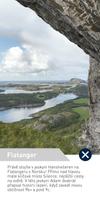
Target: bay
[{"x": 17, "y": 114}]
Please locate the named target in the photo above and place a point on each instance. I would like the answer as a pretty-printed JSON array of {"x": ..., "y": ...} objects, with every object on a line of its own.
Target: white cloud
[
  {"x": 41, "y": 51},
  {"x": 24, "y": 60}
]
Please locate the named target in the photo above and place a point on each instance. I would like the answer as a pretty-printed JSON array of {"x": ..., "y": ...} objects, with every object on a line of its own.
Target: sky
[{"x": 32, "y": 50}]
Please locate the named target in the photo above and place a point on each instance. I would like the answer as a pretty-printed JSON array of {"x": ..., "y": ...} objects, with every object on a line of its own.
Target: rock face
[
  {"x": 94, "y": 93},
  {"x": 79, "y": 21}
]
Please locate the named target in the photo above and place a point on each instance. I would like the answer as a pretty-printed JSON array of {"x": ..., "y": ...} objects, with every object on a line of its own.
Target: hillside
[{"x": 58, "y": 127}]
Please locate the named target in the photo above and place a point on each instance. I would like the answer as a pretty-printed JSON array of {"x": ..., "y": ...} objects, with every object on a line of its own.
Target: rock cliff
[{"x": 79, "y": 21}]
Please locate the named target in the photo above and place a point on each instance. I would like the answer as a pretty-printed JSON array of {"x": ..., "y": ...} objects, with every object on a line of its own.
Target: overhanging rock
[{"x": 78, "y": 20}]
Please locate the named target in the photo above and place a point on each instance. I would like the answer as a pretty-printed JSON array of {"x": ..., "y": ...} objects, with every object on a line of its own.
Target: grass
[
  {"x": 83, "y": 112},
  {"x": 23, "y": 136},
  {"x": 81, "y": 101}
]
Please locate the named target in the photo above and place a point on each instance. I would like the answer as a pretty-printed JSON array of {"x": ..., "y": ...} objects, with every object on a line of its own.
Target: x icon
[{"x": 85, "y": 154}]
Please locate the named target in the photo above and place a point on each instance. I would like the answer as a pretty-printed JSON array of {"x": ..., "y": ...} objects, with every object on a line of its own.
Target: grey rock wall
[
  {"x": 94, "y": 92},
  {"x": 78, "y": 20}
]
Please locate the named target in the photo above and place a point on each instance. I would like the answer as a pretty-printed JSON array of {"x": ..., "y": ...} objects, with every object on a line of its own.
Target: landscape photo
[{"x": 44, "y": 99}]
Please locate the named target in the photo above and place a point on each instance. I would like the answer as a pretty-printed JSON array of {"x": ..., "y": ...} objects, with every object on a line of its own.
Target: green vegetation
[
  {"x": 58, "y": 127},
  {"x": 80, "y": 90},
  {"x": 81, "y": 101},
  {"x": 82, "y": 111},
  {"x": 25, "y": 100}
]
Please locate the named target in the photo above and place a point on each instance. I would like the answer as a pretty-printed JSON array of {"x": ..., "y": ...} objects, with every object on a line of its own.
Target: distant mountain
[{"x": 77, "y": 81}]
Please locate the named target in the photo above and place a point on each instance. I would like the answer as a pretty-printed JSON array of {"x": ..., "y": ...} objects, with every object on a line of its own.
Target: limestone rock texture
[{"x": 79, "y": 21}]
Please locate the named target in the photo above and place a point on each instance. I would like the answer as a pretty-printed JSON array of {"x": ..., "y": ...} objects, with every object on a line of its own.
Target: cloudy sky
[{"x": 31, "y": 50}]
